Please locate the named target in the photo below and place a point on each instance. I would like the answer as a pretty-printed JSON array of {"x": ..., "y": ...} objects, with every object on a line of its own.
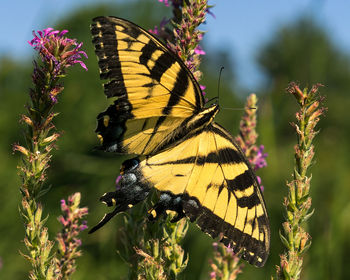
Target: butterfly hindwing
[
  {"x": 155, "y": 92},
  {"x": 205, "y": 177},
  {"x": 218, "y": 189}
]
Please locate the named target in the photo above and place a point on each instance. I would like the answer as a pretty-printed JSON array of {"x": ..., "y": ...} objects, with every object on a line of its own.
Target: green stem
[{"x": 298, "y": 201}]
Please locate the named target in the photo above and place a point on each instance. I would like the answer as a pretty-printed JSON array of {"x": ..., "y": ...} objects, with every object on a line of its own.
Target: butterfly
[{"x": 159, "y": 115}]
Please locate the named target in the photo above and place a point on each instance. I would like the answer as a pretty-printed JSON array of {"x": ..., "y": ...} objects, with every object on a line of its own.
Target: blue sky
[{"x": 242, "y": 27}]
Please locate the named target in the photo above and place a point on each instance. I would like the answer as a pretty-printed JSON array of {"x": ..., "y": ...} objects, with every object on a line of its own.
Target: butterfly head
[{"x": 208, "y": 114}]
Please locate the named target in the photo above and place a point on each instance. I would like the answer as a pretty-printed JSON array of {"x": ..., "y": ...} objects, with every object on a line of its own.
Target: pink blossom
[
  {"x": 54, "y": 47},
  {"x": 199, "y": 50}
]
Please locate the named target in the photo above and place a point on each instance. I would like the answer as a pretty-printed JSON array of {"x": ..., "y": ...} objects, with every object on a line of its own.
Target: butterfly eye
[{"x": 130, "y": 164}]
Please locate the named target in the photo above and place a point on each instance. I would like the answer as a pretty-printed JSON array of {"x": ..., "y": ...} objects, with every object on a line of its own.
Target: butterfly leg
[
  {"x": 129, "y": 192},
  {"x": 177, "y": 206},
  {"x": 167, "y": 201}
]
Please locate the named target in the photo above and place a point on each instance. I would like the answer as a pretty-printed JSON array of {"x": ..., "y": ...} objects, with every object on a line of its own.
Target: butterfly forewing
[{"x": 155, "y": 92}]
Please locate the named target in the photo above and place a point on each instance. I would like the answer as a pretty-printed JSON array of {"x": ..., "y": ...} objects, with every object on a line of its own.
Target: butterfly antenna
[
  {"x": 222, "y": 68},
  {"x": 217, "y": 97},
  {"x": 238, "y": 109}
]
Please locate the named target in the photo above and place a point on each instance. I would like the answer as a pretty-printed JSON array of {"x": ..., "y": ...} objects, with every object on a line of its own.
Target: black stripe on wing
[
  {"x": 212, "y": 157},
  {"x": 240, "y": 242},
  {"x": 163, "y": 63},
  {"x": 106, "y": 49}
]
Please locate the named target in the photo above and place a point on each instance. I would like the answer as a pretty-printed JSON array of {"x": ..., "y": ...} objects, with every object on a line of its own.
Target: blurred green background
[{"x": 301, "y": 51}]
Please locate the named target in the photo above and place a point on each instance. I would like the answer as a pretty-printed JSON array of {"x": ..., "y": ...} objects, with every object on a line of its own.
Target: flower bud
[
  {"x": 51, "y": 138},
  {"x": 21, "y": 149}
]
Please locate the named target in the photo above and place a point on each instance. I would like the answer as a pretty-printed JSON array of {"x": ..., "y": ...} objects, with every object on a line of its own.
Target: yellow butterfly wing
[
  {"x": 206, "y": 178},
  {"x": 217, "y": 189},
  {"x": 156, "y": 94}
]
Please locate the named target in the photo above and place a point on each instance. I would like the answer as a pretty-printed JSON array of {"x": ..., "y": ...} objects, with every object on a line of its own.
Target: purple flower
[
  {"x": 248, "y": 136},
  {"x": 54, "y": 92},
  {"x": 199, "y": 50},
  {"x": 64, "y": 206},
  {"x": 203, "y": 87},
  {"x": 117, "y": 182},
  {"x": 229, "y": 250},
  {"x": 57, "y": 53},
  {"x": 259, "y": 181},
  {"x": 67, "y": 238},
  {"x": 72, "y": 57},
  {"x": 83, "y": 226},
  {"x": 54, "y": 48},
  {"x": 166, "y": 2},
  {"x": 154, "y": 30},
  {"x": 224, "y": 264},
  {"x": 210, "y": 13},
  {"x": 259, "y": 160},
  {"x": 160, "y": 31},
  {"x": 175, "y": 3},
  {"x": 71, "y": 211}
]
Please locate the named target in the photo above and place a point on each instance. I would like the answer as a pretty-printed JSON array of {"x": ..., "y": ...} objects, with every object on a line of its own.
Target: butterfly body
[{"x": 160, "y": 116}]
